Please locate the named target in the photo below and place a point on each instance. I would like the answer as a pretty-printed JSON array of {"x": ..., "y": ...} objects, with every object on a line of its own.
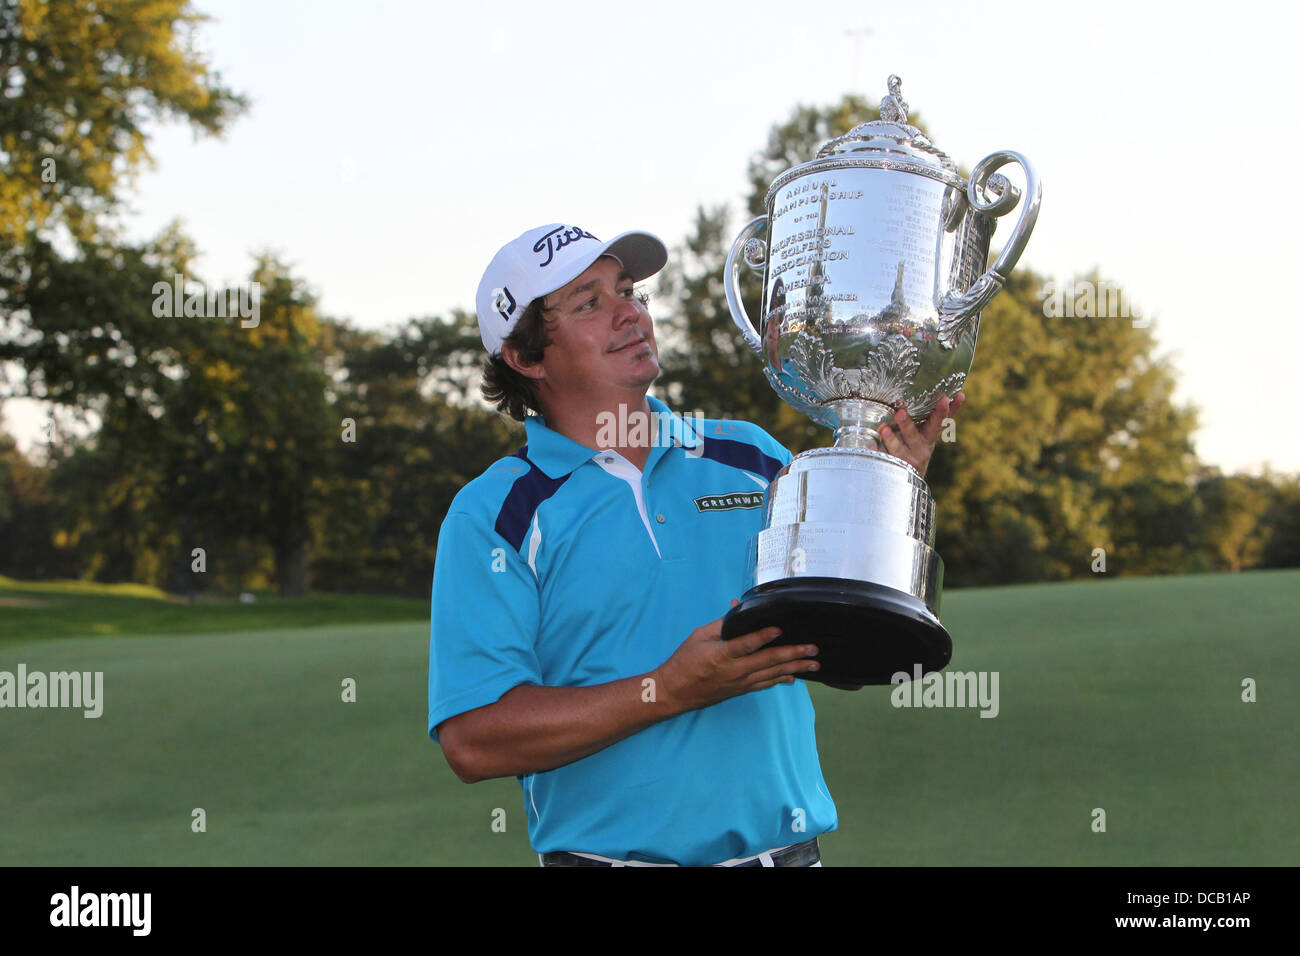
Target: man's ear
[{"x": 511, "y": 356}]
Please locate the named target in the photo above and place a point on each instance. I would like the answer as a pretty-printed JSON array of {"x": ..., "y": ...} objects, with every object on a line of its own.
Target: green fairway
[
  {"x": 32, "y": 610},
  {"x": 1123, "y": 695}
]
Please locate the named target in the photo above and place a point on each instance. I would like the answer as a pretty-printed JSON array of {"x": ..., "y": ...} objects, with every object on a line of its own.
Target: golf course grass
[
  {"x": 34, "y": 610},
  {"x": 1122, "y": 695}
]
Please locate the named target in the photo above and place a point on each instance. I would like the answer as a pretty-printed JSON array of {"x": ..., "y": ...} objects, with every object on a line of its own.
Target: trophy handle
[
  {"x": 754, "y": 254},
  {"x": 958, "y": 312}
]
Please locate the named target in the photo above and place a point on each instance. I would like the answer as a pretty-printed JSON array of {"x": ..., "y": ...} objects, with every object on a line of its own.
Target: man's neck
[{"x": 621, "y": 423}]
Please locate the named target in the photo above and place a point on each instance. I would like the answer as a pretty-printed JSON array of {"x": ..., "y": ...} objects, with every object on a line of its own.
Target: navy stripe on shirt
[
  {"x": 525, "y": 497},
  {"x": 535, "y": 486},
  {"x": 741, "y": 454}
]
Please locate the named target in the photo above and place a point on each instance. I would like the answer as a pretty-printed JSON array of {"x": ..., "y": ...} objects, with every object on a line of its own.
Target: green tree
[
  {"x": 28, "y": 529},
  {"x": 1236, "y": 506},
  {"x": 79, "y": 82},
  {"x": 1070, "y": 442},
  {"x": 82, "y": 328},
  {"x": 250, "y": 431},
  {"x": 1283, "y": 522},
  {"x": 419, "y": 436},
  {"x": 209, "y": 433}
]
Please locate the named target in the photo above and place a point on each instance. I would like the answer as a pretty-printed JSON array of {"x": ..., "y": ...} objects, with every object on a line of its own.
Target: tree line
[{"x": 219, "y": 453}]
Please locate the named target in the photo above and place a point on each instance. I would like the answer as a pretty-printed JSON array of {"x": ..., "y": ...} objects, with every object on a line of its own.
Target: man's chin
[{"x": 652, "y": 369}]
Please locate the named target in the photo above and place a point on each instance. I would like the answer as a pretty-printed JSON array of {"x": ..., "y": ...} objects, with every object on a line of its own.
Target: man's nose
[{"x": 625, "y": 311}]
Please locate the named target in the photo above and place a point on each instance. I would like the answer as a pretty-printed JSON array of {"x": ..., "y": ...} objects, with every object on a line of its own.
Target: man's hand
[
  {"x": 707, "y": 669},
  {"x": 916, "y": 445}
]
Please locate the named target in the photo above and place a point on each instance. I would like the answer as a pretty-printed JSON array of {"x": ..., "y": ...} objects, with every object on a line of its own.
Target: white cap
[{"x": 549, "y": 258}]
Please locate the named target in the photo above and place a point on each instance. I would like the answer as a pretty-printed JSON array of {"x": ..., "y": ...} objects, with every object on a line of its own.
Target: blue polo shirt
[{"x": 566, "y": 566}]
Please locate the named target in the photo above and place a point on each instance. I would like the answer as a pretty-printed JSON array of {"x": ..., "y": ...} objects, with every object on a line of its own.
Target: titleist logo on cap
[{"x": 557, "y": 239}]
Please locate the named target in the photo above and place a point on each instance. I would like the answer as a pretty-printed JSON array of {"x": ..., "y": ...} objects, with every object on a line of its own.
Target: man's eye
[{"x": 590, "y": 303}]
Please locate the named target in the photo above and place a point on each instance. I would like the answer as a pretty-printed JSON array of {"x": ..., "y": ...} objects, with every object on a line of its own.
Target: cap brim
[{"x": 641, "y": 253}]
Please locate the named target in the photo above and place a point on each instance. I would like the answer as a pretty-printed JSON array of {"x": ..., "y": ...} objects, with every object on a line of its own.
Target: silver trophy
[{"x": 874, "y": 275}]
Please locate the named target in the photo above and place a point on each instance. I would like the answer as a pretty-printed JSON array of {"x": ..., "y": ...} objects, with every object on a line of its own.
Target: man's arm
[{"x": 531, "y": 729}]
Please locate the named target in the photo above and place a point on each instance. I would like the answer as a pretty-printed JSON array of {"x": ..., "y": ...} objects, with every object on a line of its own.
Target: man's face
[{"x": 602, "y": 337}]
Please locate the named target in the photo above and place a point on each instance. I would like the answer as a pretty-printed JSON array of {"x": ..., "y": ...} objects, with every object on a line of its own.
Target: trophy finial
[{"x": 893, "y": 108}]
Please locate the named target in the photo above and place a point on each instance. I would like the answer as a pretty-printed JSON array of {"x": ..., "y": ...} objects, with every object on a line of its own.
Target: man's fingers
[
  {"x": 708, "y": 632},
  {"x": 799, "y": 666},
  {"x": 787, "y": 679},
  {"x": 747, "y": 644},
  {"x": 906, "y": 427},
  {"x": 789, "y": 657},
  {"x": 938, "y": 417},
  {"x": 930, "y": 430},
  {"x": 905, "y": 433}
]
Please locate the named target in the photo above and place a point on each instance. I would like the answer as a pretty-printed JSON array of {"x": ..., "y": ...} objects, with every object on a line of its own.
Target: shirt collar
[
  {"x": 558, "y": 455},
  {"x": 674, "y": 430}
]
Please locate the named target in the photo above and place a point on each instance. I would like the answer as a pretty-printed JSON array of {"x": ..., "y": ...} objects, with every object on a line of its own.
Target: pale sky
[{"x": 392, "y": 147}]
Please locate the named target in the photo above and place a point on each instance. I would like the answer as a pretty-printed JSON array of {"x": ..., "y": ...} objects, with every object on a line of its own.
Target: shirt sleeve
[
  {"x": 485, "y": 616},
  {"x": 771, "y": 446}
]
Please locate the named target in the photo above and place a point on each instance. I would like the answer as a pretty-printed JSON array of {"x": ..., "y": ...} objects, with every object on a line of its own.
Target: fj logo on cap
[
  {"x": 557, "y": 239},
  {"x": 503, "y": 302}
]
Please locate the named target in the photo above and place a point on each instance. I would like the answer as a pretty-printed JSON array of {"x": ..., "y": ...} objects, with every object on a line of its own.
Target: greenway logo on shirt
[{"x": 740, "y": 499}]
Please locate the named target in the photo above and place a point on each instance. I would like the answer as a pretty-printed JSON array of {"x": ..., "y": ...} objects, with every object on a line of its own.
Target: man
[{"x": 579, "y": 587}]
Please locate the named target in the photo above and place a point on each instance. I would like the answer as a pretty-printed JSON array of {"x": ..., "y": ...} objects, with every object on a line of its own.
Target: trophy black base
[{"x": 865, "y": 633}]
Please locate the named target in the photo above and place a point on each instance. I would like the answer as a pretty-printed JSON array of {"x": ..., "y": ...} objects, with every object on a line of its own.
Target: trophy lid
[{"x": 890, "y": 134}]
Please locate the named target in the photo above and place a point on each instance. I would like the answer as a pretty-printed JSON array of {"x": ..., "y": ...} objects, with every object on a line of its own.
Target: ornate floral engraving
[
  {"x": 959, "y": 313},
  {"x": 821, "y": 414},
  {"x": 923, "y": 404},
  {"x": 889, "y": 371},
  {"x": 814, "y": 365}
]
